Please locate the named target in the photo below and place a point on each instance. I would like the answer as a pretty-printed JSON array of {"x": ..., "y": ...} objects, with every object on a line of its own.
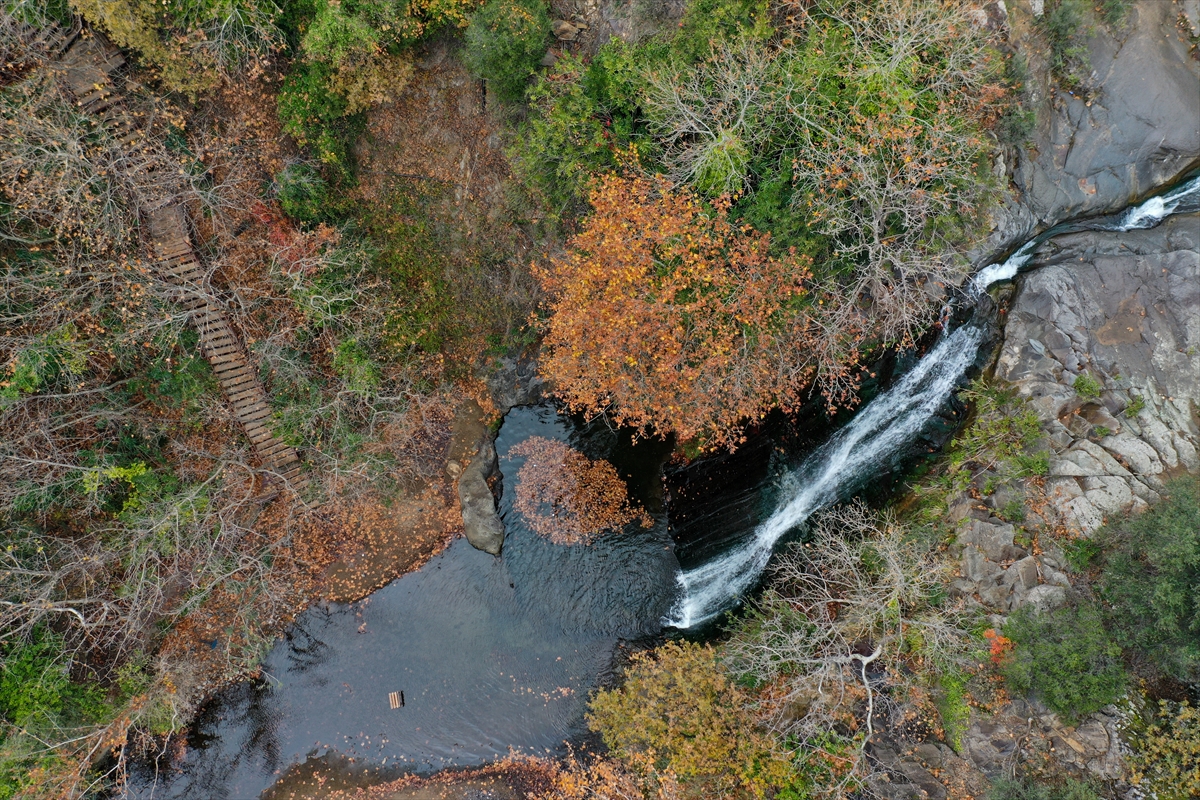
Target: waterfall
[
  {"x": 837, "y": 469},
  {"x": 881, "y": 430}
]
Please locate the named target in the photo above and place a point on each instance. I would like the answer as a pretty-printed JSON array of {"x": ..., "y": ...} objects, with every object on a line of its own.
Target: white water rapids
[{"x": 885, "y": 426}]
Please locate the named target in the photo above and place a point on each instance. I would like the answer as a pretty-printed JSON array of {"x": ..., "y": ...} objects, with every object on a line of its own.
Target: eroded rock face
[
  {"x": 1124, "y": 310},
  {"x": 1136, "y": 131}
]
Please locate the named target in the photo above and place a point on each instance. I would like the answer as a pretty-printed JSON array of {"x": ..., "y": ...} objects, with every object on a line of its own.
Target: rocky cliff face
[
  {"x": 1122, "y": 309},
  {"x": 1130, "y": 127}
]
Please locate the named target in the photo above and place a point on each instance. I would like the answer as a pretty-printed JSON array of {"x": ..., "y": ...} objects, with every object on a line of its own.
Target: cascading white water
[
  {"x": 1156, "y": 209},
  {"x": 887, "y": 424},
  {"x": 842, "y": 465},
  {"x": 1002, "y": 272}
]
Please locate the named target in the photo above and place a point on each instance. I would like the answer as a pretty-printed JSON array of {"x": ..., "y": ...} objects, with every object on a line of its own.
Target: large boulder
[{"x": 481, "y": 523}]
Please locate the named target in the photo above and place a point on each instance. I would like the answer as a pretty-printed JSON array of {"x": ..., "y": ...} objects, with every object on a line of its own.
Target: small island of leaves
[{"x": 568, "y": 498}]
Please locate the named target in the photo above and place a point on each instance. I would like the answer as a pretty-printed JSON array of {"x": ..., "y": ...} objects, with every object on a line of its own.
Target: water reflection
[{"x": 490, "y": 653}]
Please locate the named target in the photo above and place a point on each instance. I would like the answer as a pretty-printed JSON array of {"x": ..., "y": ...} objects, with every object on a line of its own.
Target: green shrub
[
  {"x": 355, "y": 367},
  {"x": 1164, "y": 749},
  {"x": 1082, "y": 553},
  {"x": 1135, "y": 407},
  {"x": 1150, "y": 577},
  {"x": 1063, "y": 26},
  {"x": 568, "y": 137},
  {"x": 505, "y": 41},
  {"x": 316, "y": 116},
  {"x": 1027, "y": 789},
  {"x": 1066, "y": 658},
  {"x": 1016, "y": 126},
  {"x": 951, "y": 701},
  {"x": 38, "y": 698},
  {"x": 677, "y": 711},
  {"x": 303, "y": 193},
  {"x": 1114, "y": 11},
  {"x": 707, "y": 23},
  {"x": 1087, "y": 387},
  {"x": 191, "y": 44}
]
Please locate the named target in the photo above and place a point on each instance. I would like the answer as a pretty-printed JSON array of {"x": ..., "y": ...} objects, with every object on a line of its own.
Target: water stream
[
  {"x": 493, "y": 654},
  {"x": 886, "y": 426}
]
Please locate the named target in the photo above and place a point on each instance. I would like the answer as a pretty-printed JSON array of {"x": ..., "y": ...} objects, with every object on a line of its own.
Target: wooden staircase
[{"x": 89, "y": 64}]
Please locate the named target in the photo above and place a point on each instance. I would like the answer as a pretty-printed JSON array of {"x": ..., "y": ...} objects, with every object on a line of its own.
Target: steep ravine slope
[{"x": 1129, "y": 128}]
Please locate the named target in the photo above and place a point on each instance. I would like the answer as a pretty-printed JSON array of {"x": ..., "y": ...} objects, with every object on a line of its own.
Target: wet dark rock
[{"x": 514, "y": 381}]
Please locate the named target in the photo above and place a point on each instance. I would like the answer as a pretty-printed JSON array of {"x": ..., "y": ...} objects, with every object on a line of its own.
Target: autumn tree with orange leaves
[{"x": 666, "y": 316}]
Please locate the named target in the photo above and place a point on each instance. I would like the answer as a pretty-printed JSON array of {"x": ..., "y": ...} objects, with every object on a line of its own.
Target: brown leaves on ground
[
  {"x": 568, "y": 498},
  {"x": 669, "y": 317},
  {"x": 342, "y": 552}
]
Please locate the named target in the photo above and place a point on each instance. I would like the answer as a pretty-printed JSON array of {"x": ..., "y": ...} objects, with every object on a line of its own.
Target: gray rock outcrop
[
  {"x": 1131, "y": 129},
  {"x": 1122, "y": 309},
  {"x": 481, "y": 523}
]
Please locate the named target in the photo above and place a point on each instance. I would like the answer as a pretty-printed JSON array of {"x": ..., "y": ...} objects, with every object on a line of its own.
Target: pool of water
[{"x": 489, "y": 653}]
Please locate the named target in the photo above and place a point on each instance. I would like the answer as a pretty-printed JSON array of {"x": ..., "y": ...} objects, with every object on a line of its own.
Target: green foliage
[
  {"x": 1149, "y": 580},
  {"x": 1164, "y": 744},
  {"x": 580, "y": 116},
  {"x": 315, "y": 115},
  {"x": 1028, "y": 789},
  {"x": 1114, "y": 11},
  {"x": 1135, "y": 407},
  {"x": 708, "y": 23},
  {"x": 1063, "y": 26},
  {"x": 190, "y": 43},
  {"x": 337, "y": 35},
  {"x": 303, "y": 193},
  {"x": 1016, "y": 126},
  {"x": 951, "y": 701},
  {"x": 1087, "y": 387},
  {"x": 38, "y": 697},
  {"x": 178, "y": 379},
  {"x": 54, "y": 359},
  {"x": 1066, "y": 658},
  {"x": 1082, "y": 554},
  {"x": 678, "y": 711},
  {"x": 354, "y": 366},
  {"x": 36, "y": 686},
  {"x": 505, "y": 41},
  {"x": 1003, "y": 435}
]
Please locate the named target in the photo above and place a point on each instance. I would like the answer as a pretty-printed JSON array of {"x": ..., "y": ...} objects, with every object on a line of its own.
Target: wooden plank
[
  {"x": 248, "y": 388},
  {"x": 222, "y": 338},
  {"x": 258, "y": 415},
  {"x": 278, "y": 451},
  {"x": 257, "y": 433},
  {"x": 221, "y": 351}
]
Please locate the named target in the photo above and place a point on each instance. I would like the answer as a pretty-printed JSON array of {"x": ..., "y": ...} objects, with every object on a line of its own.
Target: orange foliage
[
  {"x": 668, "y": 316},
  {"x": 1001, "y": 646},
  {"x": 566, "y": 497}
]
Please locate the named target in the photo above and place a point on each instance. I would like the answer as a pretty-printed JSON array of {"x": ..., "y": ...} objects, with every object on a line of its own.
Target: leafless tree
[
  {"x": 895, "y": 190},
  {"x": 842, "y": 613},
  {"x": 714, "y": 118}
]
